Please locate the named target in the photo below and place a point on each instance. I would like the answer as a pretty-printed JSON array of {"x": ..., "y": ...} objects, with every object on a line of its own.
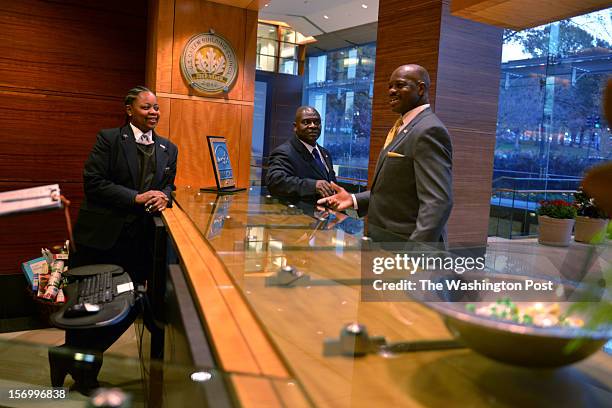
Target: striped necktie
[{"x": 393, "y": 132}]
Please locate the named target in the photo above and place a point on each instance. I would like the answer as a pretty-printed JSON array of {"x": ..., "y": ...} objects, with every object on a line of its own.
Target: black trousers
[{"x": 133, "y": 251}]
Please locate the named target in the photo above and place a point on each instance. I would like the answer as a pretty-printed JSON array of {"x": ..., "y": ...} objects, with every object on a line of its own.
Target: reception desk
[{"x": 268, "y": 337}]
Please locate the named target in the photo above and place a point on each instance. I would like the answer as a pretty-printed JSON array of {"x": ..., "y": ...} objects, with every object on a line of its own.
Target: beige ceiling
[{"x": 307, "y": 16}]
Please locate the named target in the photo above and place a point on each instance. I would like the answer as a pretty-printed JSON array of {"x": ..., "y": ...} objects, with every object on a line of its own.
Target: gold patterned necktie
[{"x": 393, "y": 132}]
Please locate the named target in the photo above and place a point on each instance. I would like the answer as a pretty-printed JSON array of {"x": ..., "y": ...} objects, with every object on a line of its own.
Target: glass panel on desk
[{"x": 305, "y": 319}]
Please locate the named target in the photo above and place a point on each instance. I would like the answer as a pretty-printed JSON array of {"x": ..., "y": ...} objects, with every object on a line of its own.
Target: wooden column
[
  {"x": 463, "y": 59},
  {"x": 188, "y": 116}
]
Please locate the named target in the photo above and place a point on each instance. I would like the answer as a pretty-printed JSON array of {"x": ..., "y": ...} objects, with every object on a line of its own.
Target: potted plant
[
  {"x": 591, "y": 221},
  {"x": 556, "y": 220}
]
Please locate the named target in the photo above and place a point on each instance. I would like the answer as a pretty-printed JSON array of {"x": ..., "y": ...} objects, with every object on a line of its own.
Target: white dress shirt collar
[{"x": 138, "y": 133}]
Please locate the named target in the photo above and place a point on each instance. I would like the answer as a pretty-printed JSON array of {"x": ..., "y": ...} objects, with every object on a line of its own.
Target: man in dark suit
[
  {"x": 411, "y": 192},
  {"x": 300, "y": 168}
]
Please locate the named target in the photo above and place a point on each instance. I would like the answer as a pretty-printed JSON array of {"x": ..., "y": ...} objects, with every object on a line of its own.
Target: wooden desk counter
[{"x": 275, "y": 334}]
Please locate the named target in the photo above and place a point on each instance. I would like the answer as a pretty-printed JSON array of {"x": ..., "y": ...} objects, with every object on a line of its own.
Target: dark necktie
[{"x": 318, "y": 161}]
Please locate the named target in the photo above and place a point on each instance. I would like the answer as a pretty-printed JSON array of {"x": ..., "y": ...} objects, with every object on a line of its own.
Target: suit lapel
[
  {"x": 131, "y": 155},
  {"x": 161, "y": 157}
]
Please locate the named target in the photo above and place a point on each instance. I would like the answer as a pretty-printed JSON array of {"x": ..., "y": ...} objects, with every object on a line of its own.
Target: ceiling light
[
  {"x": 364, "y": 6},
  {"x": 266, "y": 5},
  {"x": 325, "y": 16}
]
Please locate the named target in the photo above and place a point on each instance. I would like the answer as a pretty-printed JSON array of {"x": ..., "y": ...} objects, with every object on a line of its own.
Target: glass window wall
[
  {"x": 550, "y": 129},
  {"x": 339, "y": 84}
]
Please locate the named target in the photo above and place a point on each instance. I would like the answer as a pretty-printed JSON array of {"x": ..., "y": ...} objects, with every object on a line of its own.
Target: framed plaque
[{"x": 222, "y": 166}]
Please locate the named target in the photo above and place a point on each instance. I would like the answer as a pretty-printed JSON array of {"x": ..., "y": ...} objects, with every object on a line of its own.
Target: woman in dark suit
[{"x": 128, "y": 177}]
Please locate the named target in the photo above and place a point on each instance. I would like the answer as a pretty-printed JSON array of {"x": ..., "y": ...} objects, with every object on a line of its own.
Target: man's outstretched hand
[{"x": 341, "y": 200}]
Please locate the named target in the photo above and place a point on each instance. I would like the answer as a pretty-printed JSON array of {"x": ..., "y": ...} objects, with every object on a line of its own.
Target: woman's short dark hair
[{"x": 133, "y": 94}]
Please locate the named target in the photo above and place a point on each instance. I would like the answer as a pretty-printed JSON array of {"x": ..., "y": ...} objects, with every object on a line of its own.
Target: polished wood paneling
[
  {"x": 56, "y": 128},
  {"x": 160, "y": 31},
  {"x": 88, "y": 47},
  {"x": 258, "y": 392},
  {"x": 250, "y": 55},
  {"x": 466, "y": 101},
  {"x": 190, "y": 123},
  {"x": 250, "y": 4},
  {"x": 64, "y": 70},
  {"x": 194, "y": 115},
  {"x": 244, "y": 145},
  {"x": 521, "y": 14},
  {"x": 463, "y": 59},
  {"x": 194, "y": 17},
  {"x": 163, "y": 127}
]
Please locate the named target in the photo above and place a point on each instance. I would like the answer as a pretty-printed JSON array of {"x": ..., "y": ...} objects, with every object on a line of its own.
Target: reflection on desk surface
[{"x": 254, "y": 236}]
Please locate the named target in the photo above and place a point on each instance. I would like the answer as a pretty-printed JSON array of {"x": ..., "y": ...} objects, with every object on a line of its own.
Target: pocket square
[{"x": 393, "y": 154}]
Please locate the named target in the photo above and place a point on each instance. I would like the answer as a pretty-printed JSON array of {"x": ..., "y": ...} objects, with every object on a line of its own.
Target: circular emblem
[{"x": 208, "y": 63}]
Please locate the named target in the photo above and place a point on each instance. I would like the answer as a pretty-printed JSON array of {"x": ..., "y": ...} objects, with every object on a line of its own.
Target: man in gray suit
[{"x": 411, "y": 193}]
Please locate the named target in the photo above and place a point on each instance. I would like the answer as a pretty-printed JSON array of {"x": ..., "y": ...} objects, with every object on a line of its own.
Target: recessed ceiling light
[
  {"x": 325, "y": 16},
  {"x": 364, "y": 6},
  {"x": 266, "y": 5}
]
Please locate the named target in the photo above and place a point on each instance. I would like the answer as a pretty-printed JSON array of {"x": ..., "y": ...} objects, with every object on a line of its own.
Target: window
[
  {"x": 549, "y": 126},
  {"x": 339, "y": 84},
  {"x": 277, "y": 49}
]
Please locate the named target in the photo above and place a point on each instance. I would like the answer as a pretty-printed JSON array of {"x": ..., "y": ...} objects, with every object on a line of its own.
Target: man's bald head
[
  {"x": 408, "y": 88},
  {"x": 415, "y": 72},
  {"x": 299, "y": 112}
]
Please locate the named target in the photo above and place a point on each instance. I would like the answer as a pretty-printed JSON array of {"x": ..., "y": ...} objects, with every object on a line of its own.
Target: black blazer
[
  {"x": 292, "y": 171},
  {"x": 111, "y": 178}
]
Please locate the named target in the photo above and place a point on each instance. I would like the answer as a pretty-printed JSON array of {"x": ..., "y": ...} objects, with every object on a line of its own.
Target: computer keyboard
[
  {"x": 101, "y": 289},
  {"x": 97, "y": 289}
]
